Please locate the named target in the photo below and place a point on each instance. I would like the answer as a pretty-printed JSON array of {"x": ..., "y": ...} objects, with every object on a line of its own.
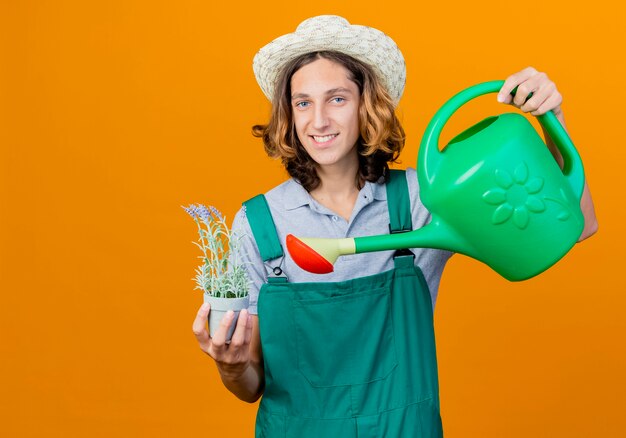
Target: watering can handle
[{"x": 430, "y": 155}]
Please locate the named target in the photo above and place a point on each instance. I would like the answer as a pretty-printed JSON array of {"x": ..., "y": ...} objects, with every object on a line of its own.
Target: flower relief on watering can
[{"x": 518, "y": 195}]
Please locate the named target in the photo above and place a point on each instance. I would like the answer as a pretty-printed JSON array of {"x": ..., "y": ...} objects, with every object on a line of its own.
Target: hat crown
[{"x": 322, "y": 23}]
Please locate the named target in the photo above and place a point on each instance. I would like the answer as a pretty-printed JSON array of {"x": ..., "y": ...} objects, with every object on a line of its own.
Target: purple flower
[
  {"x": 216, "y": 213},
  {"x": 199, "y": 211},
  {"x": 191, "y": 210},
  {"x": 203, "y": 212}
]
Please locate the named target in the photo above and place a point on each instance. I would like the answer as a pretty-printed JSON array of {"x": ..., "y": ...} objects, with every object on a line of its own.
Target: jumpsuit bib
[{"x": 354, "y": 358}]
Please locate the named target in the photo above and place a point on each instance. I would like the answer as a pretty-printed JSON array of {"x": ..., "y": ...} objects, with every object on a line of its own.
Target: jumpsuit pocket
[{"x": 345, "y": 340}]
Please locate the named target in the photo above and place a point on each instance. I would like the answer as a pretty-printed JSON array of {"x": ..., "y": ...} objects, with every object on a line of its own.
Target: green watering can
[{"x": 495, "y": 192}]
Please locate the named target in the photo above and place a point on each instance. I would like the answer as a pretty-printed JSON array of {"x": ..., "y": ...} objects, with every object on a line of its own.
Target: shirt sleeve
[{"x": 247, "y": 253}]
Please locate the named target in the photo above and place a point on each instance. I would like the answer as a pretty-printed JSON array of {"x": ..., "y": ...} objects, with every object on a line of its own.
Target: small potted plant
[{"x": 222, "y": 274}]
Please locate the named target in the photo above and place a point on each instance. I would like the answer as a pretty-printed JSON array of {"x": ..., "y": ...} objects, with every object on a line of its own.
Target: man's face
[{"x": 325, "y": 103}]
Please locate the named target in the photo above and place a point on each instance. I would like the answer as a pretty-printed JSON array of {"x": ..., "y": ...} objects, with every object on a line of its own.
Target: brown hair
[{"x": 381, "y": 135}]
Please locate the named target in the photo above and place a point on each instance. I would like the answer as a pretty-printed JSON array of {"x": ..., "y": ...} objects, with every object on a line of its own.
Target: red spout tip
[{"x": 306, "y": 257}]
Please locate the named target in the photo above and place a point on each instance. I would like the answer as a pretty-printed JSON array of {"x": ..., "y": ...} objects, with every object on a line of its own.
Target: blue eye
[
  {"x": 302, "y": 104},
  {"x": 339, "y": 99}
]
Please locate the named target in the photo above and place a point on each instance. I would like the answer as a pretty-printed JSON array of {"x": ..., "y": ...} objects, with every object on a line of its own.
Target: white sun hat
[{"x": 331, "y": 32}]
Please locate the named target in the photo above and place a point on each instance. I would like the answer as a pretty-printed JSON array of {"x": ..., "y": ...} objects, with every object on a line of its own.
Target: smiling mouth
[{"x": 323, "y": 138}]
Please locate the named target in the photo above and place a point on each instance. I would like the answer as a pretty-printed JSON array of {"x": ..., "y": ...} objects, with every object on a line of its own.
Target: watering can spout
[
  {"x": 434, "y": 235},
  {"x": 318, "y": 255}
]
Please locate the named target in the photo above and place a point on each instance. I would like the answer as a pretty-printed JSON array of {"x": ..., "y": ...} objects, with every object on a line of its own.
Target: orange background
[{"x": 114, "y": 114}]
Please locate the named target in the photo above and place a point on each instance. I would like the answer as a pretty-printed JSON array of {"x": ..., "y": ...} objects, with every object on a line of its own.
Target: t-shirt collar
[{"x": 300, "y": 197}]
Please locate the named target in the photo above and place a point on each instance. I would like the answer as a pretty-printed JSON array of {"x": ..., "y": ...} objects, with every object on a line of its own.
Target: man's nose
[{"x": 320, "y": 118}]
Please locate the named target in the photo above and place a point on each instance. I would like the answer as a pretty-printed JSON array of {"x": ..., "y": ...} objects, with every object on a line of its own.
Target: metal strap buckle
[
  {"x": 404, "y": 251},
  {"x": 275, "y": 271}
]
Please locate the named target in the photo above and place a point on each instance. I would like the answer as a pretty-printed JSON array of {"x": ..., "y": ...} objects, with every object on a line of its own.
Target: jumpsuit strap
[
  {"x": 265, "y": 235},
  {"x": 399, "y": 206},
  {"x": 263, "y": 228},
  {"x": 398, "y": 202}
]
